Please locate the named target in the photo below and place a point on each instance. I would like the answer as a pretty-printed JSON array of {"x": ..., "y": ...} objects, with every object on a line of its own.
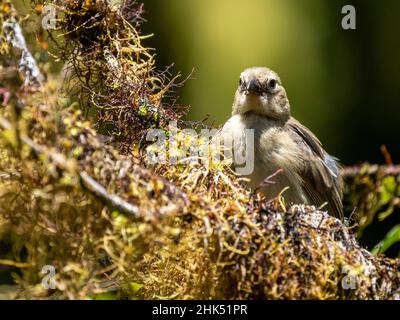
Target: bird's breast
[{"x": 273, "y": 149}]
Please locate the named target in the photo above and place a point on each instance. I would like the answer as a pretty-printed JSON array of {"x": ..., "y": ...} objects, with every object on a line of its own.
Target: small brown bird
[{"x": 281, "y": 142}]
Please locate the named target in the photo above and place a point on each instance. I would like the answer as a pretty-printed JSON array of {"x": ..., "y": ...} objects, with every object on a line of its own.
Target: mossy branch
[
  {"x": 90, "y": 184},
  {"x": 366, "y": 169}
]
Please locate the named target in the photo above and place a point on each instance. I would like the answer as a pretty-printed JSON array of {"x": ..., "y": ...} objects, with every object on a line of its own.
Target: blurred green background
[{"x": 343, "y": 84}]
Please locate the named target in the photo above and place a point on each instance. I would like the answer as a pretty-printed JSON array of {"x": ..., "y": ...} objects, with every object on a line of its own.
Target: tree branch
[
  {"x": 86, "y": 180},
  {"x": 27, "y": 64},
  {"x": 385, "y": 170}
]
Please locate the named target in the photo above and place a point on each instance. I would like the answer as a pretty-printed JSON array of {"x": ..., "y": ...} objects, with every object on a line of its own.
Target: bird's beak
[{"x": 253, "y": 87}]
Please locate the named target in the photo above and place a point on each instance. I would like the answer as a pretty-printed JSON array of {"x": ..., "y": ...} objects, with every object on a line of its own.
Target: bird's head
[{"x": 260, "y": 91}]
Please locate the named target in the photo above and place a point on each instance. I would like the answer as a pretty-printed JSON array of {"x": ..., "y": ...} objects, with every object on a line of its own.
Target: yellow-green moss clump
[{"x": 115, "y": 227}]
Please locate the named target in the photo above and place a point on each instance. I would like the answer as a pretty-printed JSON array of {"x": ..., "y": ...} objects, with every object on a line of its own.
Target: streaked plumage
[{"x": 282, "y": 142}]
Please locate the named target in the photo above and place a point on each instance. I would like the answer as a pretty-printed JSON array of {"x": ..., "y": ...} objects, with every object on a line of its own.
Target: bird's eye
[
  {"x": 271, "y": 84},
  {"x": 240, "y": 81}
]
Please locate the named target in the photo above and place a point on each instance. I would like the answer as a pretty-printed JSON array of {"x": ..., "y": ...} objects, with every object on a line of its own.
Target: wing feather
[{"x": 321, "y": 180}]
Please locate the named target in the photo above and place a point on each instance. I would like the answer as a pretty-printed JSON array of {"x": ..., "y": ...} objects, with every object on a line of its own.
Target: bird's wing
[{"x": 321, "y": 179}]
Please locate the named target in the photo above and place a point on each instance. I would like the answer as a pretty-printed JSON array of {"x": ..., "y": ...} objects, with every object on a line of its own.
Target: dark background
[{"x": 343, "y": 84}]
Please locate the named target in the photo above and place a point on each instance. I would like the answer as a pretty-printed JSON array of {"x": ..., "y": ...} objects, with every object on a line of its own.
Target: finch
[{"x": 282, "y": 143}]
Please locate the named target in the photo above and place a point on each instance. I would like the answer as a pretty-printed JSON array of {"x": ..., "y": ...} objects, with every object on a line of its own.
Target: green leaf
[
  {"x": 135, "y": 286},
  {"x": 391, "y": 238},
  {"x": 388, "y": 189},
  {"x": 384, "y": 214}
]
